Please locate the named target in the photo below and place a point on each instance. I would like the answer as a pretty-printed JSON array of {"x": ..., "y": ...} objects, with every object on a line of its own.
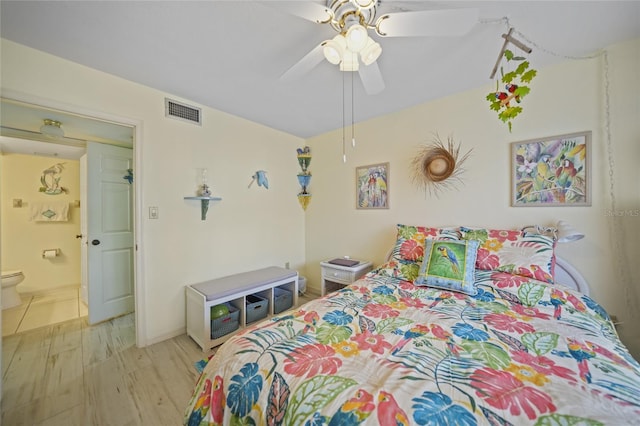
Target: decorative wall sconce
[
  {"x": 304, "y": 178},
  {"x": 204, "y": 194}
]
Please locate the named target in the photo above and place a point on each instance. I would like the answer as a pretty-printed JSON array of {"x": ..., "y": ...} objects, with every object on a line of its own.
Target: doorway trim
[{"x": 139, "y": 291}]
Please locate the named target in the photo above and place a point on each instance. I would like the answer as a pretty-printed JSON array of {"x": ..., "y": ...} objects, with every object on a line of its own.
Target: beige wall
[
  {"x": 253, "y": 228},
  {"x": 249, "y": 228},
  {"x": 565, "y": 98},
  {"x": 24, "y": 240}
]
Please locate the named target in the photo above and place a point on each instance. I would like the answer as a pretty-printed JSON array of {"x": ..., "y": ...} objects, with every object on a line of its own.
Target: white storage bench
[{"x": 233, "y": 289}]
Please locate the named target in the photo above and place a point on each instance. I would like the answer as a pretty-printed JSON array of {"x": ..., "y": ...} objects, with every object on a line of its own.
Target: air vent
[{"x": 182, "y": 112}]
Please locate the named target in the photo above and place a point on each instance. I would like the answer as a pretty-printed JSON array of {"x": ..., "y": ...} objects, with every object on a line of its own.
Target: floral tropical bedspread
[{"x": 384, "y": 351}]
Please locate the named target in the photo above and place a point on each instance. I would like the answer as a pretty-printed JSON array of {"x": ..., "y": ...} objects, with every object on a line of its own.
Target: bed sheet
[{"x": 384, "y": 351}]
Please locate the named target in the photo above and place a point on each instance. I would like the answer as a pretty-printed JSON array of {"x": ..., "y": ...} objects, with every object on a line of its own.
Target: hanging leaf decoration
[{"x": 514, "y": 85}]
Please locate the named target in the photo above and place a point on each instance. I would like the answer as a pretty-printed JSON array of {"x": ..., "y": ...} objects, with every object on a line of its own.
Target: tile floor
[{"x": 40, "y": 310}]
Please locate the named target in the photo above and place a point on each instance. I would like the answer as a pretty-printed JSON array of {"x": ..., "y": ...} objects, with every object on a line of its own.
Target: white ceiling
[
  {"x": 20, "y": 131},
  {"x": 230, "y": 55}
]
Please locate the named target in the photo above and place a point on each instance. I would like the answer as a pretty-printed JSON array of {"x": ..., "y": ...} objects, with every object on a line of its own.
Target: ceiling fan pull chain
[
  {"x": 353, "y": 100},
  {"x": 344, "y": 153}
]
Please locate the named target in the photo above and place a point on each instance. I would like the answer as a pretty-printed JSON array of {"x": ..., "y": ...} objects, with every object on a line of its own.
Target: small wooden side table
[{"x": 334, "y": 277}]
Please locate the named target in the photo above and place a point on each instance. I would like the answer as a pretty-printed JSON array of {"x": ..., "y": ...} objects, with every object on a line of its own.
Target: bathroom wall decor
[
  {"x": 50, "y": 211},
  {"x": 304, "y": 178},
  {"x": 50, "y": 180}
]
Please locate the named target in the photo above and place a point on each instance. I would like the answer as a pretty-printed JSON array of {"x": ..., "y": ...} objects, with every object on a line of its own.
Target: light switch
[{"x": 153, "y": 212}]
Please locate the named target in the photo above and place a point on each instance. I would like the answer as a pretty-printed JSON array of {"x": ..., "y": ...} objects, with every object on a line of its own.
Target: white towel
[{"x": 51, "y": 211}]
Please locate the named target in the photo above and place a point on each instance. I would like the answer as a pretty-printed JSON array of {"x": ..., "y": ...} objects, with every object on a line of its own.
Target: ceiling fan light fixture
[
  {"x": 52, "y": 128},
  {"x": 349, "y": 61},
  {"x": 371, "y": 52},
  {"x": 364, "y": 4},
  {"x": 334, "y": 49},
  {"x": 357, "y": 37}
]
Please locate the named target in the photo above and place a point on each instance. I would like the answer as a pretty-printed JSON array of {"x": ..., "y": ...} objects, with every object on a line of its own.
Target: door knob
[
  {"x": 95, "y": 242},
  {"x": 79, "y": 236}
]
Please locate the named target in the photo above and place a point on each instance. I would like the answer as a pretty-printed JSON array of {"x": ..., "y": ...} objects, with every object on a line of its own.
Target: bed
[{"x": 513, "y": 347}]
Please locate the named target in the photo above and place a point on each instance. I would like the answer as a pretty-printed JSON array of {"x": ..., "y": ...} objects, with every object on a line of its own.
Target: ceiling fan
[{"x": 352, "y": 49}]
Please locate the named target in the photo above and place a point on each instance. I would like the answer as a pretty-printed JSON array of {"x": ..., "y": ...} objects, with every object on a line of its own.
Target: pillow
[
  {"x": 449, "y": 265},
  {"x": 408, "y": 250},
  {"x": 517, "y": 252}
]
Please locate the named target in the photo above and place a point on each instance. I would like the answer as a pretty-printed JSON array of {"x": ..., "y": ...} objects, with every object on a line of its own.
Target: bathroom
[{"x": 47, "y": 253}]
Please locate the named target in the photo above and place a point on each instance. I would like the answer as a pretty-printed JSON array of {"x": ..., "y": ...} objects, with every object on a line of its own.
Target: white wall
[
  {"x": 24, "y": 240},
  {"x": 565, "y": 98},
  {"x": 249, "y": 228}
]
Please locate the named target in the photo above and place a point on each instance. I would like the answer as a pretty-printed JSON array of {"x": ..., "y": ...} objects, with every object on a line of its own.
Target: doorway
[
  {"x": 91, "y": 120},
  {"x": 49, "y": 287}
]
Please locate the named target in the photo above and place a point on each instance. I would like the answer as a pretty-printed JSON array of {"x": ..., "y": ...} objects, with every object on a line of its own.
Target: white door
[
  {"x": 110, "y": 236},
  {"x": 84, "y": 277}
]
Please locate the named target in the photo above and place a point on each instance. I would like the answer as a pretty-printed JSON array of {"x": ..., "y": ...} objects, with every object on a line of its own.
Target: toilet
[{"x": 10, "y": 296}]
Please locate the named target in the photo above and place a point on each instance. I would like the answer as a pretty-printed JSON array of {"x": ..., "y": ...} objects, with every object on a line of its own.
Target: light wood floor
[{"x": 73, "y": 374}]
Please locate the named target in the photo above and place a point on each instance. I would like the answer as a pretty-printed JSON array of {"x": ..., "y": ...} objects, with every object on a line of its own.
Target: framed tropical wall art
[
  {"x": 552, "y": 171},
  {"x": 372, "y": 186}
]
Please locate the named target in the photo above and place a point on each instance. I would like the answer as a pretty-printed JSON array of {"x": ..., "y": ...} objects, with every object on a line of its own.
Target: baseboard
[
  {"x": 166, "y": 336},
  {"x": 311, "y": 292},
  {"x": 48, "y": 291}
]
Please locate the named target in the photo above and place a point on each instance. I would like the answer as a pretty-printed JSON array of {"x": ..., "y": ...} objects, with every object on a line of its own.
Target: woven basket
[
  {"x": 438, "y": 165},
  {"x": 226, "y": 323}
]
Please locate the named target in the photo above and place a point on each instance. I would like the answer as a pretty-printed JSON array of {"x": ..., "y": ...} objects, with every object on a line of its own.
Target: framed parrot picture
[
  {"x": 372, "y": 186},
  {"x": 552, "y": 171}
]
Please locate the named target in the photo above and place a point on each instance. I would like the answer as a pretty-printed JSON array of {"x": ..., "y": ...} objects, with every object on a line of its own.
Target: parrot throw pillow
[
  {"x": 408, "y": 250},
  {"x": 449, "y": 265}
]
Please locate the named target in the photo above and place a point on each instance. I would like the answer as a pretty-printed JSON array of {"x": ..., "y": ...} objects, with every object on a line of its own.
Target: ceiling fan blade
[
  {"x": 371, "y": 78},
  {"x": 310, "y": 11},
  {"x": 304, "y": 65},
  {"x": 451, "y": 22}
]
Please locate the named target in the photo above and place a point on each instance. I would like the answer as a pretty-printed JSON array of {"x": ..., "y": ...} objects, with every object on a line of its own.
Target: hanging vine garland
[{"x": 438, "y": 165}]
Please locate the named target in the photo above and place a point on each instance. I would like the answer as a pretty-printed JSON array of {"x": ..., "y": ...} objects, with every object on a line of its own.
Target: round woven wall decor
[{"x": 438, "y": 165}]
